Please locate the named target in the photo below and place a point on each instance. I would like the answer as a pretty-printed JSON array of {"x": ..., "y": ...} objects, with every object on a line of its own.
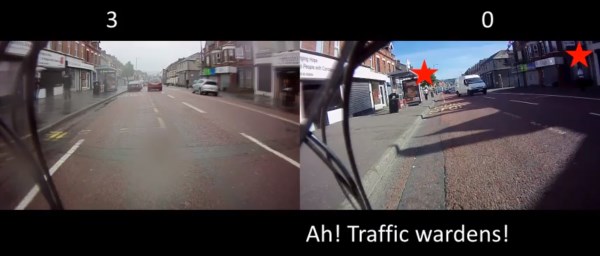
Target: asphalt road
[
  {"x": 505, "y": 151},
  {"x": 169, "y": 150}
]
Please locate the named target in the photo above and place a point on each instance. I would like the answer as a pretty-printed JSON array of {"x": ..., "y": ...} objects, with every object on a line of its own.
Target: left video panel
[{"x": 150, "y": 125}]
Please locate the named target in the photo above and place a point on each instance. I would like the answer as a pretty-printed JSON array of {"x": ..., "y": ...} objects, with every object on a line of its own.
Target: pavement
[
  {"x": 52, "y": 109},
  {"x": 374, "y": 139},
  {"x": 169, "y": 150}
]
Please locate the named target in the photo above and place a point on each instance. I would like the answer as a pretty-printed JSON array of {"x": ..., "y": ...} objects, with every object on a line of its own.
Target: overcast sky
[{"x": 152, "y": 56}]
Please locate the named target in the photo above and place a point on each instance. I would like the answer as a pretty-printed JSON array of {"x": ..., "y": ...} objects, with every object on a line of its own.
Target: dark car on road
[
  {"x": 154, "y": 84},
  {"x": 135, "y": 86}
]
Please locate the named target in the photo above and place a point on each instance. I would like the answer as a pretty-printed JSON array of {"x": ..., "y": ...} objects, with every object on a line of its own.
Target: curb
[
  {"x": 72, "y": 115},
  {"x": 389, "y": 159}
]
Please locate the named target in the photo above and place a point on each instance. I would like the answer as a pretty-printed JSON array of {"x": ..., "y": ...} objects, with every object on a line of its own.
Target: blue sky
[{"x": 451, "y": 58}]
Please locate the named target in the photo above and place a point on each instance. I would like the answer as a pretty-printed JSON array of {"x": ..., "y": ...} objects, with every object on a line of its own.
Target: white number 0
[
  {"x": 113, "y": 19},
  {"x": 489, "y": 25}
]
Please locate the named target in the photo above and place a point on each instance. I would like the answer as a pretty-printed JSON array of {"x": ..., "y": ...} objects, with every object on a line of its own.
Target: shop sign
[{"x": 286, "y": 59}]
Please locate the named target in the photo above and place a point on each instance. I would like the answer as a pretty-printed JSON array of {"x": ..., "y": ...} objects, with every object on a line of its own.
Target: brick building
[
  {"x": 546, "y": 63},
  {"x": 370, "y": 84},
  {"x": 79, "y": 58},
  {"x": 229, "y": 63}
]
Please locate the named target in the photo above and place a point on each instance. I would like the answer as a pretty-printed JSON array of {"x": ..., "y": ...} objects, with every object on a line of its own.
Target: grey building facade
[{"x": 497, "y": 70}]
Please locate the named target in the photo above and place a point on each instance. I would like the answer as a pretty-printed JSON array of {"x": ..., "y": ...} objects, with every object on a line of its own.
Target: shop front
[
  {"x": 209, "y": 73},
  {"x": 287, "y": 75},
  {"x": 263, "y": 73},
  {"x": 369, "y": 88},
  {"x": 51, "y": 66},
  {"x": 544, "y": 72},
  {"x": 226, "y": 77},
  {"x": 81, "y": 74}
]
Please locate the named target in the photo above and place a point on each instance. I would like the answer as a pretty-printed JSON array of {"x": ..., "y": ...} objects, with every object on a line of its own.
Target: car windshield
[
  {"x": 211, "y": 83},
  {"x": 473, "y": 80},
  {"x": 155, "y": 81}
]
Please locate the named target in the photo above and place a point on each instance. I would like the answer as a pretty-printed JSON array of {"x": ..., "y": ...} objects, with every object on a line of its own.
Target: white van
[{"x": 469, "y": 85}]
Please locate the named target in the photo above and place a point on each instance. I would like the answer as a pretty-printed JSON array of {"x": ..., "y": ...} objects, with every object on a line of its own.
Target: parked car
[
  {"x": 205, "y": 86},
  {"x": 154, "y": 84}
]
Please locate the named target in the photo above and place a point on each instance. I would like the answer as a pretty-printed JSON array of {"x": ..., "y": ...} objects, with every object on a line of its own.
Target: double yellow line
[{"x": 56, "y": 135}]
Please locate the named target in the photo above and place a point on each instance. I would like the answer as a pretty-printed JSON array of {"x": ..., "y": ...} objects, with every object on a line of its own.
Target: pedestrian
[
  {"x": 580, "y": 79},
  {"x": 36, "y": 90},
  {"x": 426, "y": 93},
  {"x": 67, "y": 85}
]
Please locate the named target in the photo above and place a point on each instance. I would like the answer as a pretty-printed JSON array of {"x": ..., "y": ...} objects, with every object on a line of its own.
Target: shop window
[
  {"x": 319, "y": 47},
  {"x": 247, "y": 52}
]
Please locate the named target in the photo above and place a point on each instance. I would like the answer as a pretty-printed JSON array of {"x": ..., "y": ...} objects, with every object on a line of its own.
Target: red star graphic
[
  {"x": 424, "y": 74},
  {"x": 579, "y": 55}
]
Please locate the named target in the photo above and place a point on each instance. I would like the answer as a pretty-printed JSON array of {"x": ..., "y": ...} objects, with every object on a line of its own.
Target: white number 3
[{"x": 113, "y": 19}]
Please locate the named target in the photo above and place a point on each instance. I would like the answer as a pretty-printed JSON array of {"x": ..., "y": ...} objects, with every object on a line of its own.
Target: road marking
[
  {"x": 512, "y": 115},
  {"x": 550, "y": 95},
  {"x": 123, "y": 130},
  {"x": 557, "y": 130},
  {"x": 33, "y": 191},
  {"x": 538, "y": 97},
  {"x": 161, "y": 122},
  {"x": 492, "y": 98},
  {"x": 531, "y": 103},
  {"x": 595, "y": 114},
  {"x": 156, "y": 110},
  {"x": 56, "y": 135},
  {"x": 261, "y": 112},
  {"x": 85, "y": 131},
  {"x": 291, "y": 161},
  {"x": 170, "y": 96},
  {"x": 194, "y": 108}
]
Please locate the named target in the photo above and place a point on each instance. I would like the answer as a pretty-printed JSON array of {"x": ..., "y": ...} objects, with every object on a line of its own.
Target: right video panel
[{"x": 452, "y": 125}]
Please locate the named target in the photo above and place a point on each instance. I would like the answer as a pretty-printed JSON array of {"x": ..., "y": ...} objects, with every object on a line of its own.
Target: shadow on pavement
[{"x": 578, "y": 184}]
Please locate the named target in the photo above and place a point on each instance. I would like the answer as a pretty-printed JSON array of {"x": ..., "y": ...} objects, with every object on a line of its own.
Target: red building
[
  {"x": 80, "y": 59},
  {"x": 229, "y": 63}
]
